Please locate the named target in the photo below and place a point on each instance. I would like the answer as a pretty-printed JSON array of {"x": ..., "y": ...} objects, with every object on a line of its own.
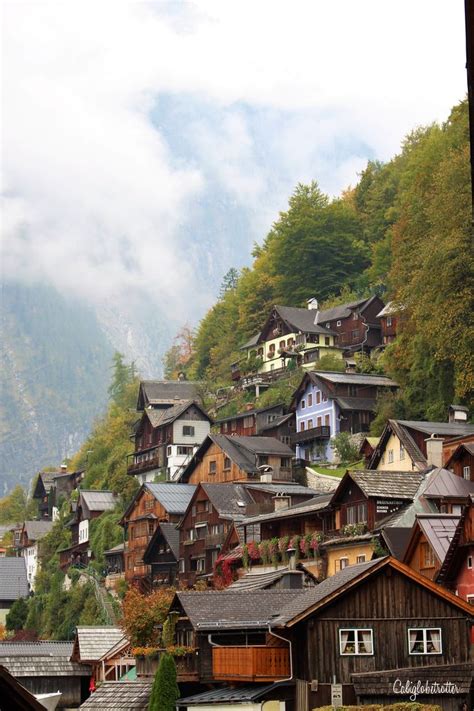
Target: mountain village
[{"x": 297, "y": 578}]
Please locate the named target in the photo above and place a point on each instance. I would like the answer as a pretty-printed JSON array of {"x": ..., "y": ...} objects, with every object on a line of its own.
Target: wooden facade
[
  {"x": 461, "y": 461},
  {"x": 255, "y": 664},
  {"x": 360, "y": 329},
  {"x": 251, "y": 421}
]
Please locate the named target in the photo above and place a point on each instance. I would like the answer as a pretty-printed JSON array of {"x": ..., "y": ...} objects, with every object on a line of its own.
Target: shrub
[
  {"x": 165, "y": 692},
  {"x": 346, "y": 450}
]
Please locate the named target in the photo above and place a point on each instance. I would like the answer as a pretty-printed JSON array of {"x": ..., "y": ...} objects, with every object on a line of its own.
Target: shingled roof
[
  {"x": 39, "y": 648},
  {"x": 13, "y": 580},
  {"x": 444, "y": 484},
  {"x": 35, "y": 530},
  {"x": 344, "y": 310},
  {"x": 304, "y": 320},
  {"x": 171, "y": 535},
  {"x": 439, "y": 530},
  {"x": 92, "y": 642},
  {"x": 230, "y": 609},
  {"x": 32, "y": 666},
  {"x": 165, "y": 392},
  {"x": 98, "y": 500},
  {"x": 229, "y": 499},
  {"x": 173, "y": 497},
  {"x": 355, "y": 378},
  {"x": 386, "y": 484},
  {"x": 165, "y": 416},
  {"x": 238, "y": 695},
  {"x": 123, "y": 695},
  {"x": 307, "y": 507}
]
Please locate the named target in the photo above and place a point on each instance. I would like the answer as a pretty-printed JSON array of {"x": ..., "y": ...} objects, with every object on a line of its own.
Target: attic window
[
  {"x": 328, "y": 325},
  {"x": 212, "y": 466},
  {"x": 227, "y": 463},
  {"x": 241, "y": 503},
  {"x": 188, "y": 430}
]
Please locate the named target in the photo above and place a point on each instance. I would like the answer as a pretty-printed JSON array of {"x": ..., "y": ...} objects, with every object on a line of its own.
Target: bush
[
  {"x": 17, "y": 614},
  {"x": 346, "y": 450}
]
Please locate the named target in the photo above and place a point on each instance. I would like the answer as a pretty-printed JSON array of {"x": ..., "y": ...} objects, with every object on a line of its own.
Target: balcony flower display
[
  {"x": 295, "y": 543},
  {"x": 283, "y": 548}
]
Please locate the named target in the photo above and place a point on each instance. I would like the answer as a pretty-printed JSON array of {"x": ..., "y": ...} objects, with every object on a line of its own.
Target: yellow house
[
  {"x": 292, "y": 333},
  {"x": 350, "y": 550}
]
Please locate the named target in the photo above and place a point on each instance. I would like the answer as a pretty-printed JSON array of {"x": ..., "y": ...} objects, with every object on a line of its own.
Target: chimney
[
  {"x": 434, "y": 451},
  {"x": 458, "y": 413},
  {"x": 312, "y": 304},
  {"x": 351, "y": 366},
  {"x": 266, "y": 478},
  {"x": 63, "y": 468},
  {"x": 281, "y": 502}
]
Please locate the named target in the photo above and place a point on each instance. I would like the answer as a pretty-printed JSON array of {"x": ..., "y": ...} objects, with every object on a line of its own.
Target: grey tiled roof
[
  {"x": 171, "y": 534},
  {"x": 355, "y": 378},
  {"x": 173, "y": 497},
  {"x": 387, "y": 484},
  {"x": 96, "y": 500},
  {"x": 357, "y": 403},
  {"x": 166, "y": 391},
  {"x": 124, "y": 695},
  {"x": 212, "y": 610},
  {"x": 291, "y": 488},
  {"x": 35, "y": 530},
  {"x": 262, "y": 581},
  {"x": 305, "y": 320},
  {"x": 40, "y": 648},
  {"x": 44, "y": 666},
  {"x": 237, "y": 695},
  {"x": 251, "y": 342},
  {"x": 395, "y": 539},
  {"x": 246, "y": 413},
  {"x": 439, "y": 428},
  {"x": 225, "y": 498},
  {"x": 439, "y": 530},
  {"x": 13, "y": 580},
  {"x": 444, "y": 483},
  {"x": 166, "y": 416},
  {"x": 307, "y": 507},
  {"x": 316, "y": 595},
  {"x": 95, "y": 641},
  {"x": 257, "y": 445},
  {"x": 342, "y": 311}
]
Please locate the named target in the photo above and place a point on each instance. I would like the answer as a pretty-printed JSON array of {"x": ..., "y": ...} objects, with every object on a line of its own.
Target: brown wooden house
[
  {"x": 52, "y": 487},
  {"x": 162, "y": 555},
  {"x": 363, "y": 629},
  {"x": 446, "y": 492},
  {"x": 270, "y": 421},
  {"x": 429, "y": 542},
  {"x": 457, "y": 571},
  {"x": 224, "y": 458},
  {"x": 461, "y": 461},
  {"x": 389, "y": 318},
  {"x": 153, "y": 504},
  {"x": 357, "y": 324}
]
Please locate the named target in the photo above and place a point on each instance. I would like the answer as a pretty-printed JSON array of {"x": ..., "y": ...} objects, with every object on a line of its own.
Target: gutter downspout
[{"x": 290, "y": 678}]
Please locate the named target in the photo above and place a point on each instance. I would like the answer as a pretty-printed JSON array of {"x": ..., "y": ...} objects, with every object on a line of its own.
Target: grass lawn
[{"x": 338, "y": 472}]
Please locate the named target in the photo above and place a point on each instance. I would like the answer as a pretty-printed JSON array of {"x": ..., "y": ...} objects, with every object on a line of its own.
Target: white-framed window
[
  {"x": 390, "y": 456},
  {"x": 343, "y": 563},
  {"x": 469, "y": 562},
  {"x": 424, "y": 640},
  {"x": 361, "y": 558},
  {"x": 169, "y": 450},
  {"x": 188, "y": 431},
  {"x": 402, "y": 451},
  {"x": 303, "y": 404},
  {"x": 338, "y": 323},
  {"x": 355, "y": 316},
  {"x": 356, "y": 642},
  {"x": 200, "y": 565},
  {"x": 470, "y": 599},
  {"x": 466, "y": 472},
  {"x": 389, "y": 321}
]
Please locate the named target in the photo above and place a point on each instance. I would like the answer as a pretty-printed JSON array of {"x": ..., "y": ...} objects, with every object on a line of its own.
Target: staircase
[{"x": 101, "y": 594}]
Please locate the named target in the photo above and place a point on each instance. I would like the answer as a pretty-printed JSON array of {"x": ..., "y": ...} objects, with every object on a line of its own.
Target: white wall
[
  {"x": 83, "y": 531},
  {"x": 201, "y": 430}
]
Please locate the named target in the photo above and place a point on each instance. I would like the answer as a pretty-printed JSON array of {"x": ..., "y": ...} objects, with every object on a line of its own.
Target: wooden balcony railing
[
  {"x": 186, "y": 666},
  {"x": 323, "y": 432},
  {"x": 250, "y": 663},
  {"x": 213, "y": 540},
  {"x": 143, "y": 461}
]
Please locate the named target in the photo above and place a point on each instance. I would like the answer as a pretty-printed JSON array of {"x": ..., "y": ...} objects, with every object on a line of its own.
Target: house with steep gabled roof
[
  {"x": 429, "y": 542},
  {"x": 32, "y": 532},
  {"x": 165, "y": 440},
  {"x": 269, "y": 421},
  {"x": 162, "y": 555},
  {"x": 153, "y": 504},
  {"x": 457, "y": 569},
  {"x": 13, "y": 583},
  {"x": 335, "y": 632},
  {"x": 224, "y": 458},
  {"x": 326, "y": 403},
  {"x": 409, "y": 444},
  {"x": 165, "y": 393}
]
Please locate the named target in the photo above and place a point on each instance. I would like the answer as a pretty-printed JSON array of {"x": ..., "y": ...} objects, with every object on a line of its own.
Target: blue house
[{"x": 327, "y": 403}]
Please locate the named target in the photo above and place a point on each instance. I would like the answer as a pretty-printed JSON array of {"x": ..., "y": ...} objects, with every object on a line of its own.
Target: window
[
  {"x": 303, "y": 404},
  {"x": 301, "y": 426},
  {"x": 327, "y": 340},
  {"x": 361, "y": 558},
  {"x": 183, "y": 450},
  {"x": 326, "y": 420},
  {"x": 149, "y": 504},
  {"x": 226, "y": 463},
  {"x": 427, "y": 559},
  {"x": 390, "y": 456},
  {"x": 328, "y": 325},
  {"x": 343, "y": 563},
  {"x": 352, "y": 390},
  {"x": 470, "y": 599},
  {"x": 184, "y": 638},
  {"x": 310, "y": 400},
  {"x": 389, "y": 321},
  {"x": 325, "y": 397},
  {"x": 188, "y": 430},
  {"x": 469, "y": 562},
  {"x": 422, "y": 640},
  {"x": 282, "y": 344},
  {"x": 290, "y": 342},
  {"x": 310, "y": 424},
  {"x": 260, "y": 352},
  {"x": 355, "y": 316},
  {"x": 169, "y": 451},
  {"x": 358, "y": 641},
  {"x": 338, "y": 323},
  {"x": 357, "y": 513},
  {"x": 355, "y": 334},
  {"x": 212, "y": 466},
  {"x": 272, "y": 348},
  {"x": 466, "y": 472},
  {"x": 200, "y": 565},
  {"x": 285, "y": 462},
  {"x": 402, "y": 452},
  {"x": 319, "y": 421},
  {"x": 318, "y": 397}
]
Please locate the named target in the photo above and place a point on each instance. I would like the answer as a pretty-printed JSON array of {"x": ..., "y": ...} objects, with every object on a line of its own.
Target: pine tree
[
  {"x": 165, "y": 691},
  {"x": 17, "y": 615}
]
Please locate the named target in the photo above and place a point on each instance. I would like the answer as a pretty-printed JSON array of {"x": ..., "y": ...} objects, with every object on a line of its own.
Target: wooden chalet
[
  {"x": 429, "y": 542},
  {"x": 357, "y": 324},
  {"x": 367, "y": 449},
  {"x": 166, "y": 438},
  {"x": 51, "y": 488},
  {"x": 364, "y": 498},
  {"x": 447, "y": 492},
  {"x": 457, "y": 570},
  {"x": 45, "y": 667},
  {"x": 152, "y": 505},
  {"x": 91, "y": 504},
  {"x": 389, "y": 318},
  {"x": 326, "y": 403},
  {"x": 270, "y": 421},
  {"x": 158, "y": 394},
  {"x": 363, "y": 628},
  {"x": 103, "y": 648},
  {"x": 224, "y": 458},
  {"x": 461, "y": 461},
  {"x": 162, "y": 555},
  {"x": 212, "y": 514},
  {"x": 408, "y": 444},
  {"x": 292, "y": 519}
]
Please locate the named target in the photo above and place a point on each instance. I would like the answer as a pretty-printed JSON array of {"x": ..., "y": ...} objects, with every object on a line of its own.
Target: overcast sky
[{"x": 119, "y": 118}]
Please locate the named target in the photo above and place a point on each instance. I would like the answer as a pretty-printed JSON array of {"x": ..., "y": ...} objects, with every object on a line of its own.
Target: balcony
[
  {"x": 143, "y": 461},
  {"x": 323, "y": 432},
  {"x": 250, "y": 663},
  {"x": 186, "y": 666},
  {"x": 214, "y": 540}
]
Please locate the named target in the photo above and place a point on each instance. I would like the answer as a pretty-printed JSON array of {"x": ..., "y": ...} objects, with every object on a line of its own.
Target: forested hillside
[{"x": 401, "y": 232}]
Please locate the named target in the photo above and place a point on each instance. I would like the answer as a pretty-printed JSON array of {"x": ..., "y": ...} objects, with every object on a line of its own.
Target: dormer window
[
  {"x": 328, "y": 325},
  {"x": 389, "y": 321},
  {"x": 338, "y": 323},
  {"x": 355, "y": 316}
]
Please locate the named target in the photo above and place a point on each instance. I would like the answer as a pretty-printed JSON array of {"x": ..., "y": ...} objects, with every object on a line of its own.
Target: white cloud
[{"x": 96, "y": 200}]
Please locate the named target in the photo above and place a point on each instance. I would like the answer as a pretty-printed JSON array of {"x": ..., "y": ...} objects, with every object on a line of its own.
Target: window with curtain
[
  {"x": 356, "y": 642},
  {"x": 423, "y": 640}
]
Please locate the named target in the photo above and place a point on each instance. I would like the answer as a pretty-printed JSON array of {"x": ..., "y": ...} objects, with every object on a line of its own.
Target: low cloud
[{"x": 98, "y": 198}]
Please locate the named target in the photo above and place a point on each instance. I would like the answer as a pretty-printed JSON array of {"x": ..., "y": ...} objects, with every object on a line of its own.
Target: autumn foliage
[{"x": 144, "y": 614}]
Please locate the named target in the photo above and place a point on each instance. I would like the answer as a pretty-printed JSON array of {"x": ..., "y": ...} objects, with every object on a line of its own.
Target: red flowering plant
[
  {"x": 295, "y": 543},
  {"x": 305, "y": 543},
  {"x": 314, "y": 544},
  {"x": 253, "y": 549},
  {"x": 223, "y": 574}
]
